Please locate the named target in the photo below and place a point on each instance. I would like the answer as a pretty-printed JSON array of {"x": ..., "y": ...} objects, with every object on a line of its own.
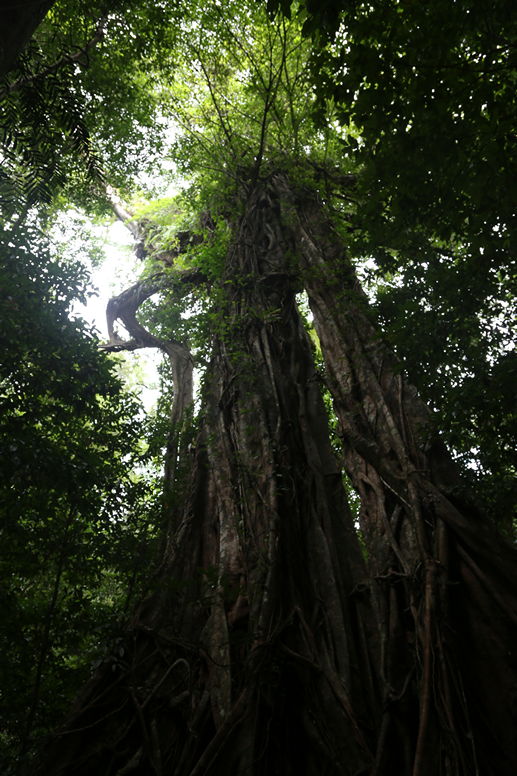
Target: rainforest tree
[{"x": 284, "y": 631}]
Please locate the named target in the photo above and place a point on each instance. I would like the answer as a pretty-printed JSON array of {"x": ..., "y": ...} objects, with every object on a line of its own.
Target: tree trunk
[
  {"x": 18, "y": 22},
  {"x": 268, "y": 648},
  {"x": 443, "y": 583}
]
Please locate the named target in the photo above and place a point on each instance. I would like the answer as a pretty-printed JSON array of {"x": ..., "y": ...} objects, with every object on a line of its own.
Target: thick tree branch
[{"x": 124, "y": 308}]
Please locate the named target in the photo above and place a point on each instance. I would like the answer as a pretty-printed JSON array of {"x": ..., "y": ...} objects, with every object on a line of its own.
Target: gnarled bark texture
[{"x": 269, "y": 646}]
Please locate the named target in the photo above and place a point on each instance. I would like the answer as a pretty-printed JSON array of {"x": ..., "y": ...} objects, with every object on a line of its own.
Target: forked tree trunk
[{"x": 268, "y": 648}]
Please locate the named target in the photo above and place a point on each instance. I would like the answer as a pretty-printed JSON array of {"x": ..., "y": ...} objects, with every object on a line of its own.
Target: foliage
[
  {"x": 244, "y": 88},
  {"x": 403, "y": 126},
  {"x": 78, "y": 108},
  {"x": 435, "y": 87},
  {"x": 71, "y": 510}
]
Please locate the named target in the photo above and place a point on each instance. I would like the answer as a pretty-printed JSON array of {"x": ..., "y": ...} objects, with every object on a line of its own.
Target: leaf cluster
[
  {"x": 80, "y": 106},
  {"x": 432, "y": 92},
  {"x": 72, "y": 512}
]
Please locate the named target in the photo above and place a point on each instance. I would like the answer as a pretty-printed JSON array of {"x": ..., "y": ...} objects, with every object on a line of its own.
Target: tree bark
[
  {"x": 267, "y": 646},
  {"x": 18, "y": 21},
  {"x": 443, "y": 583}
]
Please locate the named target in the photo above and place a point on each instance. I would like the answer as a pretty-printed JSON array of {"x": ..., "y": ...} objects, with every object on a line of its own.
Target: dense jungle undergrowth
[{"x": 302, "y": 561}]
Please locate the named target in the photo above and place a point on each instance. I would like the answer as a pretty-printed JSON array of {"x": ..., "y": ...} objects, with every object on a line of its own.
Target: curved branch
[{"x": 124, "y": 307}]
